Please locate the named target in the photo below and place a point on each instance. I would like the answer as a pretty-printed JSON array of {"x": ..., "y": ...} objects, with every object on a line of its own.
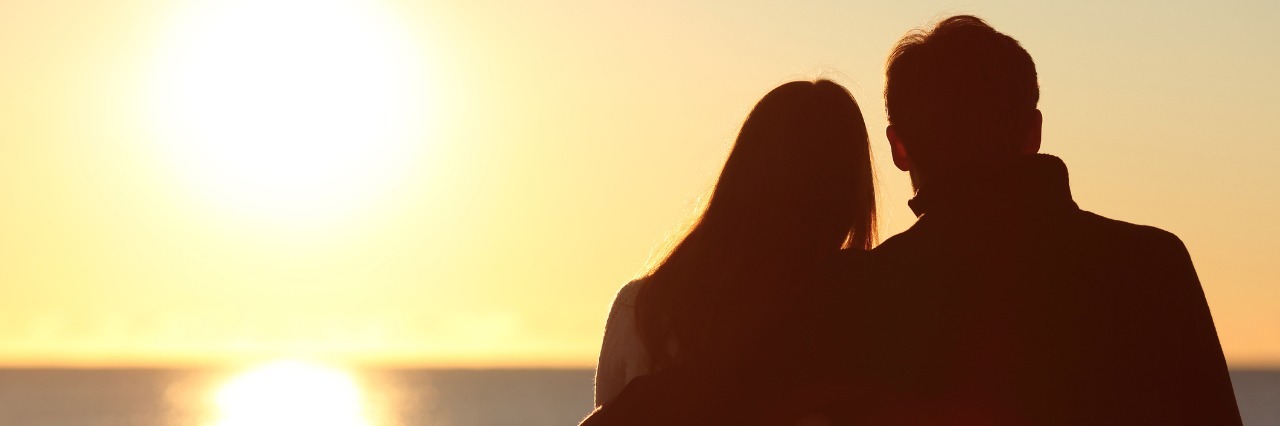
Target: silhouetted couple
[{"x": 1005, "y": 304}]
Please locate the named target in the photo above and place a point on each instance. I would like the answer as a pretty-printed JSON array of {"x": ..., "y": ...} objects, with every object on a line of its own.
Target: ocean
[{"x": 147, "y": 397}]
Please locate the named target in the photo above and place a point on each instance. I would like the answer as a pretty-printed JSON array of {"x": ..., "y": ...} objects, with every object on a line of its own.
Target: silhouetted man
[{"x": 1006, "y": 303}]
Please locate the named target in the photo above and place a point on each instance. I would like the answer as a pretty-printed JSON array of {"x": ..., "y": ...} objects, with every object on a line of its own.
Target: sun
[
  {"x": 291, "y": 393},
  {"x": 290, "y": 111}
]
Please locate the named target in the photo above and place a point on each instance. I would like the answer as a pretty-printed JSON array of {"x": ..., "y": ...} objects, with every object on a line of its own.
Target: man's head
[{"x": 959, "y": 94}]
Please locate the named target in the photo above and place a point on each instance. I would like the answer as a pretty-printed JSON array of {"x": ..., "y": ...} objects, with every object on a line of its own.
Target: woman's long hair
[{"x": 797, "y": 187}]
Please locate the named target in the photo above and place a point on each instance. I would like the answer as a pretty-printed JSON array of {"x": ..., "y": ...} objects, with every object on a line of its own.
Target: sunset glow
[
  {"x": 290, "y": 110},
  {"x": 468, "y": 183},
  {"x": 291, "y": 393}
]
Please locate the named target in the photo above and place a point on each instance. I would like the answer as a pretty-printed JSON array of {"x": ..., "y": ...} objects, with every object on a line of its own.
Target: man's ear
[
  {"x": 900, "y": 157},
  {"x": 1031, "y": 144}
]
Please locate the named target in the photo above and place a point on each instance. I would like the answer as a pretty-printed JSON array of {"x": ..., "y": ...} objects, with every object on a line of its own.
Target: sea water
[{"x": 163, "y": 397}]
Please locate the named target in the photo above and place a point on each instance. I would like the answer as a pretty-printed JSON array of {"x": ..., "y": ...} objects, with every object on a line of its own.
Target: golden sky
[{"x": 469, "y": 182}]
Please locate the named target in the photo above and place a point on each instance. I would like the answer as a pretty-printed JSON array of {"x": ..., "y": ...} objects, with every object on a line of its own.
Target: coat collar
[{"x": 1026, "y": 182}]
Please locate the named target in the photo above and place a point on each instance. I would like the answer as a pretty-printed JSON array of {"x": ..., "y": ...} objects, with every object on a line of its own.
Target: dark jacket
[{"x": 1007, "y": 304}]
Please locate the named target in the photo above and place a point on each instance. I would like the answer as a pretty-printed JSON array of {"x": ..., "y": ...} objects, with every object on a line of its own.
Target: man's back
[{"x": 1007, "y": 304}]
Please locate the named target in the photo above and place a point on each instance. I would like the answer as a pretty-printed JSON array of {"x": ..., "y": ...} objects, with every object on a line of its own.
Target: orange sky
[{"x": 467, "y": 183}]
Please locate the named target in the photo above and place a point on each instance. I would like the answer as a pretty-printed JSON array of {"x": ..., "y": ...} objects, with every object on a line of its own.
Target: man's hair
[{"x": 961, "y": 91}]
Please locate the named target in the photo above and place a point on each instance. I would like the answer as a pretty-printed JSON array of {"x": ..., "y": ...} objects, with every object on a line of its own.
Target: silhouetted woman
[{"x": 796, "y": 188}]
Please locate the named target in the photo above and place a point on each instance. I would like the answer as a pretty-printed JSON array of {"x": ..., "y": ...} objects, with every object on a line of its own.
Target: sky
[{"x": 468, "y": 183}]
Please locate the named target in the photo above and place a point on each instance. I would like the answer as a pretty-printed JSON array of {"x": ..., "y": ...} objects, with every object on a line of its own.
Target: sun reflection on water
[{"x": 292, "y": 393}]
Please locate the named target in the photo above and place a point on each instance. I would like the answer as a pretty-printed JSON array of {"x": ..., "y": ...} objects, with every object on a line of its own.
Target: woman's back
[
  {"x": 789, "y": 375},
  {"x": 796, "y": 188}
]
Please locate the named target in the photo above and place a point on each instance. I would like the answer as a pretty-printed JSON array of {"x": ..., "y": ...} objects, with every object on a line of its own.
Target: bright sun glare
[
  {"x": 291, "y": 393},
  {"x": 294, "y": 111}
]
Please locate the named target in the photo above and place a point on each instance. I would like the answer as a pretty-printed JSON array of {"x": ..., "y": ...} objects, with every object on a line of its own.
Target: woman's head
[
  {"x": 799, "y": 173},
  {"x": 797, "y": 185}
]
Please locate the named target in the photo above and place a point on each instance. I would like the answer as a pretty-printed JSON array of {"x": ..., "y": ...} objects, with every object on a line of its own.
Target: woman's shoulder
[
  {"x": 629, "y": 291},
  {"x": 623, "y": 346},
  {"x": 622, "y": 312},
  {"x": 622, "y": 355}
]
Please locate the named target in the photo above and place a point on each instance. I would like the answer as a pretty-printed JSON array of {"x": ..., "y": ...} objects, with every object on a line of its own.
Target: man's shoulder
[
  {"x": 903, "y": 240},
  {"x": 1080, "y": 223},
  {"x": 847, "y": 263},
  {"x": 902, "y": 247},
  {"x": 929, "y": 254},
  {"x": 1118, "y": 231}
]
